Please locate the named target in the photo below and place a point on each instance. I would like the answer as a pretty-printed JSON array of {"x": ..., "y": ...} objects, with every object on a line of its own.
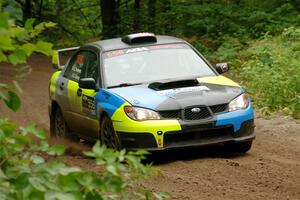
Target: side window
[
  {"x": 77, "y": 66},
  {"x": 91, "y": 67},
  {"x": 83, "y": 65}
]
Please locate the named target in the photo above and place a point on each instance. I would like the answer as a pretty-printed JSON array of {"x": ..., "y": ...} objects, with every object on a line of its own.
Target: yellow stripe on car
[
  {"x": 219, "y": 80},
  {"x": 53, "y": 84},
  {"x": 122, "y": 123}
]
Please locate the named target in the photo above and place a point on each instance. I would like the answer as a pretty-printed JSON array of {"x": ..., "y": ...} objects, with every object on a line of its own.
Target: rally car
[{"x": 145, "y": 91}]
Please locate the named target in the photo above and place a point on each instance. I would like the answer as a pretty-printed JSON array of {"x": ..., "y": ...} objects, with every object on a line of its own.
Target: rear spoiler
[{"x": 67, "y": 51}]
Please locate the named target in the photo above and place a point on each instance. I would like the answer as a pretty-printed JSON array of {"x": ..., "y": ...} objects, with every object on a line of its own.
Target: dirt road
[{"x": 271, "y": 170}]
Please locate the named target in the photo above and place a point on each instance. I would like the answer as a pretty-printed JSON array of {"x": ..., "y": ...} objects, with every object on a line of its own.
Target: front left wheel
[{"x": 108, "y": 135}]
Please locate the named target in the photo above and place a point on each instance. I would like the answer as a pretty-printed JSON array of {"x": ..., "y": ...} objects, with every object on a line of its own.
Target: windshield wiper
[{"x": 124, "y": 85}]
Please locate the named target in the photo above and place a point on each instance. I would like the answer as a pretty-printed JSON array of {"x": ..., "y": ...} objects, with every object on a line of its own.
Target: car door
[
  {"x": 89, "y": 122},
  {"x": 68, "y": 84}
]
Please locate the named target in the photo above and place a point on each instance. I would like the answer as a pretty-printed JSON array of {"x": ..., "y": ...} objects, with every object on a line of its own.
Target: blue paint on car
[
  {"x": 141, "y": 97},
  {"x": 235, "y": 118},
  {"x": 108, "y": 101}
]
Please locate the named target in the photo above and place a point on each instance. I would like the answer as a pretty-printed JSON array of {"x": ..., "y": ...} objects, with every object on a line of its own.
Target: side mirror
[
  {"x": 222, "y": 68},
  {"x": 87, "y": 83}
]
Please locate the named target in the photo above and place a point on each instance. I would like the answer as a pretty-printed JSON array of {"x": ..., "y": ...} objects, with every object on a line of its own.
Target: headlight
[
  {"x": 140, "y": 114},
  {"x": 241, "y": 102}
]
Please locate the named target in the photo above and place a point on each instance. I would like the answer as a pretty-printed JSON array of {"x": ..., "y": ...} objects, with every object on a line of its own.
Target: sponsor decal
[
  {"x": 88, "y": 105},
  {"x": 120, "y": 52},
  {"x": 171, "y": 92},
  {"x": 168, "y": 46},
  {"x": 111, "y": 54},
  {"x": 136, "y": 50}
]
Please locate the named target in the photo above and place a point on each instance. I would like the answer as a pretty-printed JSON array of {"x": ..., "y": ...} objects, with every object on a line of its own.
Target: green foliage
[
  {"x": 25, "y": 172},
  {"x": 79, "y": 21},
  {"x": 25, "y": 169},
  {"x": 15, "y": 47},
  {"x": 250, "y": 18},
  {"x": 269, "y": 68},
  {"x": 12, "y": 100}
]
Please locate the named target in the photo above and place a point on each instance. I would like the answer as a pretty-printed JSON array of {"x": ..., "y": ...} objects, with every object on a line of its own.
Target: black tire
[
  {"x": 242, "y": 147},
  {"x": 108, "y": 135},
  {"x": 59, "y": 127}
]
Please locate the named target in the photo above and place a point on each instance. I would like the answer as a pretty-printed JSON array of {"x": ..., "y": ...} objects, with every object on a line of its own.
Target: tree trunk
[
  {"x": 27, "y": 10},
  {"x": 167, "y": 22},
  {"x": 136, "y": 19},
  {"x": 40, "y": 10},
  {"x": 110, "y": 18},
  {"x": 151, "y": 15}
]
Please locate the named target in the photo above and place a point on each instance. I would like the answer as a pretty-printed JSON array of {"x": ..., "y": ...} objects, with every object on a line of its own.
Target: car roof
[{"x": 116, "y": 43}]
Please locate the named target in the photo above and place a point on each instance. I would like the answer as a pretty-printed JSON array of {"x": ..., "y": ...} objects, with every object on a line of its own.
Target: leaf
[
  {"x": 112, "y": 169},
  {"x": 17, "y": 86},
  {"x": 29, "y": 24},
  {"x": 21, "y": 139},
  {"x": 34, "y": 131},
  {"x": 56, "y": 149},
  {"x": 2, "y": 96},
  {"x": 2, "y": 175},
  {"x": 8, "y": 128},
  {"x": 115, "y": 183},
  {"x": 29, "y": 48},
  {"x": 18, "y": 56},
  {"x": 67, "y": 170},
  {"x": 40, "y": 27},
  {"x": 37, "y": 159},
  {"x": 44, "y": 48},
  {"x": 37, "y": 29},
  {"x": 37, "y": 184},
  {"x": 51, "y": 195},
  {"x": 6, "y": 42},
  {"x": 50, "y": 24},
  {"x": 13, "y": 101},
  {"x": 3, "y": 57},
  {"x": 4, "y": 20}
]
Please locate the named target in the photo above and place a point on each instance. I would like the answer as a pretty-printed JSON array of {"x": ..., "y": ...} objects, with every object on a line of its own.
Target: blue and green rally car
[{"x": 148, "y": 92}]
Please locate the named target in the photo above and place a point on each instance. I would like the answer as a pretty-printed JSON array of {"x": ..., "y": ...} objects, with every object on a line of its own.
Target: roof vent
[{"x": 139, "y": 38}]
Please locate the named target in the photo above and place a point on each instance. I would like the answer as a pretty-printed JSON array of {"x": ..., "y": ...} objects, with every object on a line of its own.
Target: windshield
[{"x": 153, "y": 63}]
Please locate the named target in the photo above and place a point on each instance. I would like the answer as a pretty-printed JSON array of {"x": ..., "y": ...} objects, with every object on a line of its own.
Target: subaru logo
[{"x": 195, "y": 110}]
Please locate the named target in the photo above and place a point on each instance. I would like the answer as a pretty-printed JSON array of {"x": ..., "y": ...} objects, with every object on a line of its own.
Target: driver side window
[
  {"x": 91, "y": 69},
  {"x": 82, "y": 65}
]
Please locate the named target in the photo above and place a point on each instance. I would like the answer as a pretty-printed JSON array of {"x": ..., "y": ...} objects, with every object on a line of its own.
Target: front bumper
[{"x": 189, "y": 136}]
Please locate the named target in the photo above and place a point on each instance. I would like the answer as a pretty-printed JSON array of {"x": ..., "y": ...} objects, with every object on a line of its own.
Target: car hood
[{"x": 209, "y": 91}]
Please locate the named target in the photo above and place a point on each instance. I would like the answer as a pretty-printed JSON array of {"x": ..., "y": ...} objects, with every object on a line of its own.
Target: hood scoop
[{"x": 157, "y": 86}]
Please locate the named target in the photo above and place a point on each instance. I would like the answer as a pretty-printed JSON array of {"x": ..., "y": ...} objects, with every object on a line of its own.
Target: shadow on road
[
  {"x": 159, "y": 157},
  {"x": 192, "y": 153}
]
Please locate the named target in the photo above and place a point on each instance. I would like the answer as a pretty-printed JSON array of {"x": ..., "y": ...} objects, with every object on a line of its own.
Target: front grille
[
  {"x": 203, "y": 113},
  {"x": 171, "y": 114},
  {"x": 188, "y": 114},
  {"x": 197, "y": 137},
  {"x": 219, "y": 108}
]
